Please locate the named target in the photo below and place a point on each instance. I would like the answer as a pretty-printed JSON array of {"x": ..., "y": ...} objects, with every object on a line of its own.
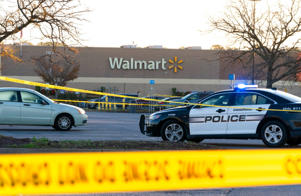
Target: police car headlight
[{"x": 154, "y": 116}]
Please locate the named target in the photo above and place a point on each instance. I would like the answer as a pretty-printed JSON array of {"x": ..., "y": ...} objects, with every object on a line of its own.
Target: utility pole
[
  {"x": 253, "y": 49},
  {"x": 0, "y": 60},
  {"x": 21, "y": 49}
]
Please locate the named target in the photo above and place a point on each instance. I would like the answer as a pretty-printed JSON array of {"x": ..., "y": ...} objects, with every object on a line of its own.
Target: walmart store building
[{"x": 129, "y": 70}]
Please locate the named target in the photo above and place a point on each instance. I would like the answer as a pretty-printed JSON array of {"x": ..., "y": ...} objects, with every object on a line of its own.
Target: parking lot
[
  {"x": 109, "y": 126},
  {"x": 101, "y": 126},
  {"x": 124, "y": 126}
]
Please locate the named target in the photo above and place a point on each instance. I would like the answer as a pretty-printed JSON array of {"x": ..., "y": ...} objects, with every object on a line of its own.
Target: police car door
[
  {"x": 206, "y": 120},
  {"x": 245, "y": 118}
]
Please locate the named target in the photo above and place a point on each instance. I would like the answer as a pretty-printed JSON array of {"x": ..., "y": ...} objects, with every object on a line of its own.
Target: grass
[{"x": 44, "y": 143}]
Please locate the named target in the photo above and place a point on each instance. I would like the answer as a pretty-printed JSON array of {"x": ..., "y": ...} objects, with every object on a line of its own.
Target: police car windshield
[
  {"x": 287, "y": 96},
  {"x": 188, "y": 95},
  {"x": 185, "y": 97}
]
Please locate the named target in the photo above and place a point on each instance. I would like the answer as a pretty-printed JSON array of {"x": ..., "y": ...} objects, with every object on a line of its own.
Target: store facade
[{"x": 132, "y": 70}]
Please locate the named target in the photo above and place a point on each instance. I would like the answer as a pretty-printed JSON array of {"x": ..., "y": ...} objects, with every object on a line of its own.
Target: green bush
[
  {"x": 174, "y": 92},
  {"x": 38, "y": 88}
]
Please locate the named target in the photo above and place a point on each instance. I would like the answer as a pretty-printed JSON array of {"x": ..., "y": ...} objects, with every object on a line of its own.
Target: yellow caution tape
[
  {"x": 167, "y": 96},
  {"x": 124, "y": 96},
  {"x": 76, "y": 89},
  {"x": 113, "y": 103},
  {"x": 146, "y": 171}
]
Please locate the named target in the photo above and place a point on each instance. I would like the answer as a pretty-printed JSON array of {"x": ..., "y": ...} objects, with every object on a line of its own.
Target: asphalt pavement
[
  {"x": 100, "y": 126},
  {"x": 109, "y": 126},
  {"x": 124, "y": 126}
]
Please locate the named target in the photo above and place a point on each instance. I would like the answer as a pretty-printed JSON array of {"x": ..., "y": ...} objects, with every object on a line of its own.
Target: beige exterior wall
[
  {"x": 196, "y": 64},
  {"x": 94, "y": 62},
  {"x": 202, "y": 70}
]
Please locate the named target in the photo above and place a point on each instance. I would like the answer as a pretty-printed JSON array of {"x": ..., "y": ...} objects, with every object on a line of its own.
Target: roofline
[{"x": 15, "y": 88}]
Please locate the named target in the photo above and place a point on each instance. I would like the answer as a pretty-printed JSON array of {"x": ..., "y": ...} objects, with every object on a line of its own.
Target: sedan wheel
[
  {"x": 274, "y": 134},
  {"x": 197, "y": 140},
  {"x": 172, "y": 131},
  {"x": 63, "y": 123}
]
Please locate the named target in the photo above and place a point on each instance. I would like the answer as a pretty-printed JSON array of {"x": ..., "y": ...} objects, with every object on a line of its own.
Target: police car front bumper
[
  {"x": 295, "y": 131},
  {"x": 146, "y": 128}
]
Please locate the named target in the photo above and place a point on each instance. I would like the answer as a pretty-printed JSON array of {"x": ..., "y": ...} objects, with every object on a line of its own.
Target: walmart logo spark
[{"x": 175, "y": 64}]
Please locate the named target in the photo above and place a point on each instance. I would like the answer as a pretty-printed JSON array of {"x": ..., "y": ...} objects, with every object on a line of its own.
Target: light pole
[
  {"x": 253, "y": 49},
  {"x": 0, "y": 59}
]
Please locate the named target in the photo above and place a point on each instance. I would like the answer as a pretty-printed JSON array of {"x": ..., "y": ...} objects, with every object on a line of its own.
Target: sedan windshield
[{"x": 45, "y": 98}]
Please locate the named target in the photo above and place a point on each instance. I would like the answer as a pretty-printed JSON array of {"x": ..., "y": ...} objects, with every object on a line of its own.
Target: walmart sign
[
  {"x": 133, "y": 64},
  {"x": 174, "y": 64}
]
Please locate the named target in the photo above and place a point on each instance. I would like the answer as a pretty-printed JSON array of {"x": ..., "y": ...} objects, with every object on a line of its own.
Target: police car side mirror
[{"x": 197, "y": 106}]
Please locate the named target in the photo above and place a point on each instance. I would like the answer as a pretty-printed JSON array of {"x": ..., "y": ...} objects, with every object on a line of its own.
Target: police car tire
[
  {"x": 294, "y": 141},
  {"x": 170, "y": 123},
  {"x": 280, "y": 129}
]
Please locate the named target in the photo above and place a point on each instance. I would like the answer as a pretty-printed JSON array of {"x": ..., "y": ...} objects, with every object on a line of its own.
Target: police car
[{"x": 245, "y": 112}]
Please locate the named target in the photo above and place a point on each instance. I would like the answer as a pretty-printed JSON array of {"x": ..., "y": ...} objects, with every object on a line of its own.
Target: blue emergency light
[{"x": 244, "y": 86}]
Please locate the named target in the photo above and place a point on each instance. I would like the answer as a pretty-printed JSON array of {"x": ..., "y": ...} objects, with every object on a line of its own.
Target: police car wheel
[
  {"x": 172, "y": 131},
  {"x": 274, "y": 134}
]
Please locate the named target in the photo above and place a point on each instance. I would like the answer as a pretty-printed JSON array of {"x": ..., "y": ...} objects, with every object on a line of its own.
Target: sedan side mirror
[{"x": 43, "y": 102}]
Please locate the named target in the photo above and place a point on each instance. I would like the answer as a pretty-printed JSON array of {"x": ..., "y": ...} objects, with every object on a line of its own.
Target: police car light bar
[{"x": 244, "y": 86}]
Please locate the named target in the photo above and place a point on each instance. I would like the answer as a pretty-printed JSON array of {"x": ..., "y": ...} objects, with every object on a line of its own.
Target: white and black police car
[{"x": 245, "y": 112}]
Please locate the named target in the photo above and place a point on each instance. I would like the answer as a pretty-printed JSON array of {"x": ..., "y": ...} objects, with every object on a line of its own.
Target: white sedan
[{"x": 22, "y": 106}]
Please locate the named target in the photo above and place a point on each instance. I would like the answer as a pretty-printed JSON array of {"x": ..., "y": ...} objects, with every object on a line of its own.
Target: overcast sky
[{"x": 170, "y": 23}]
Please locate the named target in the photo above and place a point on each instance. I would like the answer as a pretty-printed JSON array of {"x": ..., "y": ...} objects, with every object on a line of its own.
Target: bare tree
[
  {"x": 273, "y": 35},
  {"x": 217, "y": 47},
  {"x": 57, "y": 67},
  {"x": 55, "y": 20}
]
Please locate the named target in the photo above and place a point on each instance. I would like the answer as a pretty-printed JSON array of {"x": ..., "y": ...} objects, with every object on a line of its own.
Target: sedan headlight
[
  {"x": 154, "y": 116},
  {"x": 81, "y": 111}
]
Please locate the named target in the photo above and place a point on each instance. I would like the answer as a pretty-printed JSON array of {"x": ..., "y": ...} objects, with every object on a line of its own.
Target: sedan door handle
[
  {"x": 259, "y": 109},
  {"x": 26, "y": 104},
  {"x": 220, "y": 110}
]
